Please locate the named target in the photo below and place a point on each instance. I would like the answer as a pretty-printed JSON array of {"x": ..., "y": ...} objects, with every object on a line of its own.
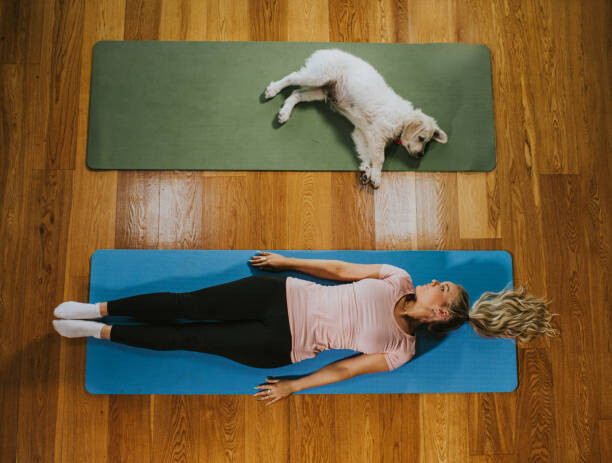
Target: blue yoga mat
[{"x": 460, "y": 362}]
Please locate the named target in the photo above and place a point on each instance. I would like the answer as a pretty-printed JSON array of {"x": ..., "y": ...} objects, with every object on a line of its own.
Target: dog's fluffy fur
[{"x": 360, "y": 93}]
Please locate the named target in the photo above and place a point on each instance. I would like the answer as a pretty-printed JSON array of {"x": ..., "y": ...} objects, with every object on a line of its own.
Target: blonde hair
[{"x": 511, "y": 313}]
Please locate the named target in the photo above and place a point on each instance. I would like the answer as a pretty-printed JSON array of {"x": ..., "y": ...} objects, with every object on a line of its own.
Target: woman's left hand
[{"x": 275, "y": 390}]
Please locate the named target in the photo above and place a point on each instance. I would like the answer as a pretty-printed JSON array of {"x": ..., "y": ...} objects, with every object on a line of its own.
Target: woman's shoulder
[
  {"x": 402, "y": 354},
  {"x": 387, "y": 270},
  {"x": 399, "y": 278}
]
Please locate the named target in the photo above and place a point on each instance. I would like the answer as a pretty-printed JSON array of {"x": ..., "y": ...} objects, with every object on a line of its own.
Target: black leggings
[{"x": 252, "y": 327}]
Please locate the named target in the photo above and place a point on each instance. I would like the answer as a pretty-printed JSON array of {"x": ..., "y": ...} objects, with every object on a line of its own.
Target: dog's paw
[
  {"x": 283, "y": 115},
  {"x": 375, "y": 180},
  {"x": 271, "y": 91}
]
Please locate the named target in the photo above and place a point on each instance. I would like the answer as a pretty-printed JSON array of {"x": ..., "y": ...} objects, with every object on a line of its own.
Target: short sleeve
[
  {"x": 397, "y": 359},
  {"x": 396, "y": 277}
]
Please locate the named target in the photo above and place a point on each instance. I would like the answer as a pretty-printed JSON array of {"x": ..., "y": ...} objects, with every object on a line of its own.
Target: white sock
[
  {"x": 78, "y": 328},
  {"x": 77, "y": 311}
]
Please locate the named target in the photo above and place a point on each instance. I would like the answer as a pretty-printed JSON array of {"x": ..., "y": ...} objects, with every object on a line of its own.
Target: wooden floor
[{"x": 548, "y": 203}]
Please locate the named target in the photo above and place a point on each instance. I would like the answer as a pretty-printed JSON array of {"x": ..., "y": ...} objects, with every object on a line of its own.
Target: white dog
[{"x": 359, "y": 92}]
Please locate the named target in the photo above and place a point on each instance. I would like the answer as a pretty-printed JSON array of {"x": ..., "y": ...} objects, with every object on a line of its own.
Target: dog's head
[{"x": 418, "y": 130}]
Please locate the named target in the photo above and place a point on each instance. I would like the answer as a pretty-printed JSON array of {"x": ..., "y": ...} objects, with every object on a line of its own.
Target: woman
[{"x": 266, "y": 321}]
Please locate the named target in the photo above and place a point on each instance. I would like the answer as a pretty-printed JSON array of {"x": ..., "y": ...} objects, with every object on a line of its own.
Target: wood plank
[
  {"x": 222, "y": 428},
  {"x": 482, "y": 244},
  {"x": 312, "y": 431},
  {"x": 21, "y": 37},
  {"x": 268, "y": 19},
  {"x": 348, "y": 21},
  {"x": 437, "y": 212},
  {"x": 537, "y": 416},
  {"x": 266, "y": 436},
  {"x": 183, "y": 20},
  {"x": 445, "y": 427},
  {"x": 180, "y": 210},
  {"x": 142, "y": 18},
  {"x": 555, "y": 143},
  {"x": 137, "y": 225},
  {"x": 39, "y": 95},
  {"x": 493, "y": 459},
  {"x": 593, "y": 114},
  {"x": 48, "y": 213},
  {"x": 11, "y": 136},
  {"x": 64, "y": 87},
  {"x": 352, "y": 206},
  {"x": 422, "y": 21},
  {"x": 381, "y": 23},
  {"x": 266, "y": 203},
  {"x": 400, "y": 427},
  {"x": 309, "y": 218},
  {"x": 228, "y": 20},
  {"x": 129, "y": 429},
  {"x": 357, "y": 428},
  {"x": 605, "y": 439},
  {"x": 395, "y": 206},
  {"x": 9, "y": 22},
  {"x": 491, "y": 423},
  {"x": 176, "y": 428},
  {"x": 13, "y": 202},
  {"x": 226, "y": 221},
  {"x": 575, "y": 393},
  {"x": 477, "y": 219},
  {"x": 307, "y": 21}
]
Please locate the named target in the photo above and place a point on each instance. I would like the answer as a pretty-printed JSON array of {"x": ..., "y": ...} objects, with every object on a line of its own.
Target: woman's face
[{"x": 437, "y": 296}]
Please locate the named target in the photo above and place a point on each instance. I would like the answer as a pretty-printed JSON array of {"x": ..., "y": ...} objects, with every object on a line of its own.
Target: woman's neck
[
  {"x": 412, "y": 324},
  {"x": 405, "y": 312}
]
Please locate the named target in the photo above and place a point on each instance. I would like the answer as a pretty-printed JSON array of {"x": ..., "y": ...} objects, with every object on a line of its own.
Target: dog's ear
[
  {"x": 439, "y": 135},
  {"x": 411, "y": 127}
]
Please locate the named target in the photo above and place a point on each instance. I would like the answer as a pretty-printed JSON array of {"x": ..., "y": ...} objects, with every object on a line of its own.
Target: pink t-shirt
[{"x": 357, "y": 316}]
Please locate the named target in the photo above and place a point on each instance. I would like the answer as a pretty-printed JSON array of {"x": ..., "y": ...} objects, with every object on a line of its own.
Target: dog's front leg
[
  {"x": 361, "y": 145},
  {"x": 377, "y": 157}
]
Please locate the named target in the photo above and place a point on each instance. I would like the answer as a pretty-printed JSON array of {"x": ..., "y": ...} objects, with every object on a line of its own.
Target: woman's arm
[
  {"x": 322, "y": 268},
  {"x": 339, "y": 371}
]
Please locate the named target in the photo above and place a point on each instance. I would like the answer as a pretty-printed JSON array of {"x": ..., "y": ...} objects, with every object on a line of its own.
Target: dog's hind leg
[
  {"x": 305, "y": 77},
  {"x": 299, "y": 95}
]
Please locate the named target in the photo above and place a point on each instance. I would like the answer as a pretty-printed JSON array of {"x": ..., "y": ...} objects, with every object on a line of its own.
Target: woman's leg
[
  {"x": 246, "y": 299},
  {"x": 253, "y": 343}
]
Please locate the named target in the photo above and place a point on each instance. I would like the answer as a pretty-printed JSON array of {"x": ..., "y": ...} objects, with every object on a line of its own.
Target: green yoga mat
[{"x": 199, "y": 106}]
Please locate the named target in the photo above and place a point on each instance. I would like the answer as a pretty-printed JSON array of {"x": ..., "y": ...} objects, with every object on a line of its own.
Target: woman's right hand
[{"x": 269, "y": 261}]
